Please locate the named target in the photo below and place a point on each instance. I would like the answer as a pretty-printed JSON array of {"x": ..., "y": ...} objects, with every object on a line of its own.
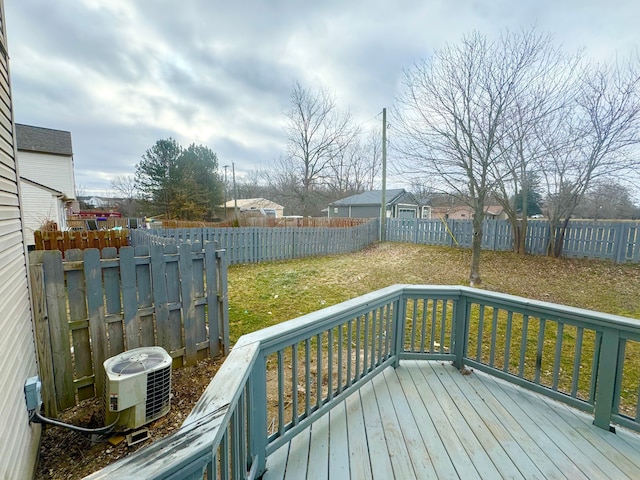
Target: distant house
[
  {"x": 465, "y": 212},
  {"x": 399, "y": 204},
  {"x": 258, "y": 205},
  {"x": 45, "y": 163},
  {"x": 98, "y": 202},
  {"x": 18, "y": 438}
]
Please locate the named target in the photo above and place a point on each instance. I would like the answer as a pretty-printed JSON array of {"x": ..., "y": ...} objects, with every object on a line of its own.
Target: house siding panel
[
  {"x": 365, "y": 211},
  {"x": 18, "y": 438},
  {"x": 38, "y": 207},
  {"x": 54, "y": 171}
]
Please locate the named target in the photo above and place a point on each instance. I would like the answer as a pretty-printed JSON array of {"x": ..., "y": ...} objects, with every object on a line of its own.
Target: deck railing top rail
[{"x": 278, "y": 380}]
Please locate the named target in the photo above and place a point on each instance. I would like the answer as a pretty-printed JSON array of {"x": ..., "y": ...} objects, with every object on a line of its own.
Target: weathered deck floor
[{"x": 426, "y": 420}]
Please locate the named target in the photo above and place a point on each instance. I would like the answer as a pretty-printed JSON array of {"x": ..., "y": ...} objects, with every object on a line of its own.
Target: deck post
[
  {"x": 257, "y": 416},
  {"x": 460, "y": 319},
  {"x": 399, "y": 314},
  {"x": 607, "y": 374}
]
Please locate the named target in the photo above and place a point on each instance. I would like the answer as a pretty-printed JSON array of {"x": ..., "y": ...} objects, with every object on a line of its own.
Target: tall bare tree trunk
[
  {"x": 522, "y": 235},
  {"x": 476, "y": 247}
]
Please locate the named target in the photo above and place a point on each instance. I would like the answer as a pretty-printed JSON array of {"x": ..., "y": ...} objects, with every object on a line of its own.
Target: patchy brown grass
[{"x": 265, "y": 294}]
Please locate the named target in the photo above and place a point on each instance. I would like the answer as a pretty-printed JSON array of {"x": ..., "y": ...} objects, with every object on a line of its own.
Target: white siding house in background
[
  {"x": 45, "y": 161},
  {"x": 256, "y": 204},
  {"x": 18, "y": 438}
]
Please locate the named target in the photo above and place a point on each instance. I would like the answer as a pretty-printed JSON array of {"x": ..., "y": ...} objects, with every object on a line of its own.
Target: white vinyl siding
[
  {"x": 18, "y": 438},
  {"x": 39, "y": 205},
  {"x": 53, "y": 171}
]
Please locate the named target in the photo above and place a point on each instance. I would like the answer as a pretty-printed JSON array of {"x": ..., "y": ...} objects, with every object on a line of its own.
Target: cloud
[{"x": 120, "y": 75}]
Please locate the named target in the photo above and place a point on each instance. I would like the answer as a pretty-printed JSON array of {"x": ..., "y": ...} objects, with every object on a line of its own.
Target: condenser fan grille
[
  {"x": 158, "y": 393},
  {"x": 136, "y": 362}
]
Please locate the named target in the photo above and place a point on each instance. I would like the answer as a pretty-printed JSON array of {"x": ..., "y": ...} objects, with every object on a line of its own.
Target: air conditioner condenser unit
[{"x": 138, "y": 387}]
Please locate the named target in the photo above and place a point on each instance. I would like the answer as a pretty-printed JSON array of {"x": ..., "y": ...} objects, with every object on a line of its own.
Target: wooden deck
[{"x": 426, "y": 420}]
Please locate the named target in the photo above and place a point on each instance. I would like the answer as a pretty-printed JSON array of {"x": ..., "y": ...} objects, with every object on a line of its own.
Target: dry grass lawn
[{"x": 265, "y": 294}]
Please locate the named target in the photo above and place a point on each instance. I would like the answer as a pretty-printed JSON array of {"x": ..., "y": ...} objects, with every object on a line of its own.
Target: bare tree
[
  {"x": 544, "y": 91},
  {"x": 452, "y": 117},
  {"x": 317, "y": 133},
  {"x": 355, "y": 168},
  {"x": 596, "y": 139},
  {"x": 606, "y": 199},
  {"x": 126, "y": 187}
]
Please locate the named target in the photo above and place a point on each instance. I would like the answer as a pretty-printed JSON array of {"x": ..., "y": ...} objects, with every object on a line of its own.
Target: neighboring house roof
[
  {"x": 55, "y": 192},
  {"x": 253, "y": 202},
  {"x": 374, "y": 197},
  {"x": 43, "y": 140}
]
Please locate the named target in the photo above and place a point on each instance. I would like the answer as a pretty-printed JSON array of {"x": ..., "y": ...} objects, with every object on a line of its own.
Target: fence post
[
  {"x": 213, "y": 310},
  {"x": 622, "y": 235},
  {"x": 460, "y": 319},
  {"x": 43, "y": 338},
  {"x": 223, "y": 300},
  {"x": 416, "y": 228},
  {"x": 607, "y": 375}
]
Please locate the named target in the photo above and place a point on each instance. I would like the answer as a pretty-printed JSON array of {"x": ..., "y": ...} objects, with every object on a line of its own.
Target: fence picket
[
  {"x": 113, "y": 317},
  {"x": 129, "y": 298},
  {"x": 145, "y": 298},
  {"x": 78, "y": 319},
  {"x": 95, "y": 306},
  {"x": 188, "y": 307}
]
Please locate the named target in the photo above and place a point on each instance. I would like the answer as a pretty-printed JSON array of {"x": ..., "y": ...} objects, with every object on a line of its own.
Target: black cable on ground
[{"x": 37, "y": 418}]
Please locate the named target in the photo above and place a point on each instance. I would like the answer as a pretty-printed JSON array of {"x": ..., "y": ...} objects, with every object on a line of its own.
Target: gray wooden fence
[
  {"x": 616, "y": 241},
  {"x": 259, "y": 244},
  {"x": 92, "y": 306}
]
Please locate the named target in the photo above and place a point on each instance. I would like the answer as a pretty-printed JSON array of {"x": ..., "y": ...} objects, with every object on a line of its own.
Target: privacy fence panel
[
  {"x": 260, "y": 244},
  {"x": 96, "y": 304},
  {"x": 609, "y": 240},
  {"x": 616, "y": 241}
]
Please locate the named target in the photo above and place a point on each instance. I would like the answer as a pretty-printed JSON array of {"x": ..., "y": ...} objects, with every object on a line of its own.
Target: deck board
[
  {"x": 420, "y": 459},
  {"x": 378, "y": 452},
  {"x": 319, "y": 449},
  {"x": 400, "y": 460},
  {"x": 360, "y": 467},
  {"x": 527, "y": 433},
  {"x": 426, "y": 420},
  {"x": 338, "y": 441},
  {"x": 432, "y": 441},
  {"x": 581, "y": 453},
  {"x": 410, "y": 373}
]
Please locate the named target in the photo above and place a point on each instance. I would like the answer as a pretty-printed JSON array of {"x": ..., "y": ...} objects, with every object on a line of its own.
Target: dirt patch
[{"x": 65, "y": 454}]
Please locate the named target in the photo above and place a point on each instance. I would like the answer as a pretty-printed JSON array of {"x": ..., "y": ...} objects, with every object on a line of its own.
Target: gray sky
[{"x": 121, "y": 74}]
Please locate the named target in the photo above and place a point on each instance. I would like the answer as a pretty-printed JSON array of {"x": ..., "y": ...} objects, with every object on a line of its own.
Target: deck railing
[{"x": 278, "y": 380}]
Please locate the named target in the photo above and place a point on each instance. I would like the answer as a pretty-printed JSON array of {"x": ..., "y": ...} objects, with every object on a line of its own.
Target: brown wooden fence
[
  {"x": 90, "y": 307},
  {"x": 68, "y": 240}
]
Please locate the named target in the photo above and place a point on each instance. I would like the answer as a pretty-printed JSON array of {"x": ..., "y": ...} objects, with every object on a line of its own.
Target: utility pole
[
  {"x": 225, "y": 191},
  {"x": 235, "y": 191},
  {"x": 383, "y": 203}
]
